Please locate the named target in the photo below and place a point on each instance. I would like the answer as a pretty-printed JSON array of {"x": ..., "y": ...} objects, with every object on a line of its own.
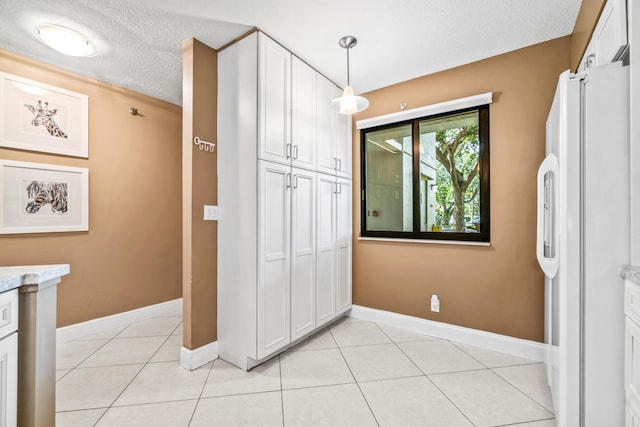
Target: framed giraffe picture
[
  {"x": 39, "y": 117},
  {"x": 43, "y": 198}
]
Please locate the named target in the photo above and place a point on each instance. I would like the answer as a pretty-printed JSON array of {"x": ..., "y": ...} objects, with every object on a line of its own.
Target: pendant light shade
[{"x": 348, "y": 103}]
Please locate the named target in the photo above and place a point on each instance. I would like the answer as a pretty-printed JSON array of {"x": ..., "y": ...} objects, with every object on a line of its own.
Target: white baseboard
[
  {"x": 102, "y": 324},
  {"x": 193, "y": 359},
  {"x": 518, "y": 347}
]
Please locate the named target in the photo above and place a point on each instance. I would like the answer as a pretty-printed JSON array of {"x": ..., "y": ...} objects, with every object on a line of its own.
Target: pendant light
[{"x": 348, "y": 103}]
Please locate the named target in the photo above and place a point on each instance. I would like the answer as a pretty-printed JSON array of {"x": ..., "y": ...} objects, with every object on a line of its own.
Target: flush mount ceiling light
[
  {"x": 65, "y": 40},
  {"x": 348, "y": 103}
]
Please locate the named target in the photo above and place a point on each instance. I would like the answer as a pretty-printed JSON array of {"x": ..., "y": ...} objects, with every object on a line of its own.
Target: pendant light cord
[{"x": 348, "y": 83}]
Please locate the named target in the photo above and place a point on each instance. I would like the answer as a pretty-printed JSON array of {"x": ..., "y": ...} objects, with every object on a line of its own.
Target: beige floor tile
[
  {"x": 334, "y": 406},
  {"x": 401, "y": 335},
  {"x": 530, "y": 379},
  {"x": 438, "y": 356},
  {"x": 124, "y": 351},
  {"x": 255, "y": 410},
  {"x": 103, "y": 335},
  {"x": 170, "y": 350},
  {"x": 543, "y": 423},
  {"x": 378, "y": 362},
  {"x": 163, "y": 382},
  {"x": 358, "y": 333},
  {"x": 178, "y": 330},
  {"x": 493, "y": 359},
  {"x": 165, "y": 414},
  {"x": 151, "y": 327},
  {"x": 70, "y": 354},
  {"x": 318, "y": 341},
  {"x": 408, "y": 402},
  {"x": 488, "y": 400},
  {"x": 225, "y": 379},
  {"x": 86, "y": 418},
  {"x": 85, "y": 388},
  {"x": 314, "y": 368}
]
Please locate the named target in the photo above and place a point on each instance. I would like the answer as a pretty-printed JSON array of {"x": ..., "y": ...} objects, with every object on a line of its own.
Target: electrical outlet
[{"x": 435, "y": 303}]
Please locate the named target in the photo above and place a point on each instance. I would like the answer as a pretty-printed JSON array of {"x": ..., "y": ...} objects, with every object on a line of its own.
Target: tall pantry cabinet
[{"x": 284, "y": 195}]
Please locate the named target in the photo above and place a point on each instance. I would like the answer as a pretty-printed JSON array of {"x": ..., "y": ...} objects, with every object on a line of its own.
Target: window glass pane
[
  {"x": 449, "y": 173},
  {"x": 389, "y": 184}
]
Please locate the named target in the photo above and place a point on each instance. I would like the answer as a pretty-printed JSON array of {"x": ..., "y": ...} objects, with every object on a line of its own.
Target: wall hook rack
[{"x": 204, "y": 145}]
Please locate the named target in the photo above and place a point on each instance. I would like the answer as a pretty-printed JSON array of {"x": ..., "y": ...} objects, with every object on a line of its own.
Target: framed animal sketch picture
[
  {"x": 42, "y": 198},
  {"x": 39, "y": 117}
]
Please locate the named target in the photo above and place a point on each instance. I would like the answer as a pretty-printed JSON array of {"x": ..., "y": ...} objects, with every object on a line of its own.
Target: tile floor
[{"x": 354, "y": 373}]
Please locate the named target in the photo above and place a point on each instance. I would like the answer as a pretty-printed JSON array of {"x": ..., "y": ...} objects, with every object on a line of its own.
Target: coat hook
[
  {"x": 403, "y": 105},
  {"x": 133, "y": 111}
]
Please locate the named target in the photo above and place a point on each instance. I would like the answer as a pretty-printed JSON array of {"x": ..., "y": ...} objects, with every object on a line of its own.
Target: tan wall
[
  {"x": 498, "y": 288},
  {"x": 585, "y": 24},
  {"x": 131, "y": 255},
  {"x": 200, "y": 186}
]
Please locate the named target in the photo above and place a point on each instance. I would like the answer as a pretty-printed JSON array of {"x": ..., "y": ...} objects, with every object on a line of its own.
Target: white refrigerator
[{"x": 582, "y": 239}]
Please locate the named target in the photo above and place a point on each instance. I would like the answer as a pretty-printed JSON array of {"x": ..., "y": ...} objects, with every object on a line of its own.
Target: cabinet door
[
  {"x": 303, "y": 114},
  {"x": 9, "y": 380},
  {"x": 325, "y": 267},
  {"x": 274, "y": 101},
  {"x": 325, "y": 144},
  {"x": 610, "y": 34},
  {"x": 303, "y": 252},
  {"x": 342, "y": 142},
  {"x": 343, "y": 245},
  {"x": 273, "y": 258}
]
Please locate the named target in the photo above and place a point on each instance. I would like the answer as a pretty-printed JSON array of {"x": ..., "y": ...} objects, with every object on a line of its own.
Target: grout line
[
  {"x": 525, "y": 422},
  {"x": 204, "y": 385},
  {"x": 281, "y": 389},
  {"x": 356, "y": 381},
  {"x": 523, "y": 392},
  {"x": 429, "y": 379}
]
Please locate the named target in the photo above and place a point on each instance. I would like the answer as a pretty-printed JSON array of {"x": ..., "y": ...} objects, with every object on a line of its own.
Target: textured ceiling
[{"x": 140, "y": 42}]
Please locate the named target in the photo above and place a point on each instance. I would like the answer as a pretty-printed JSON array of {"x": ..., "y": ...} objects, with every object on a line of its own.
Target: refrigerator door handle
[{"x": 547, "y": 234}]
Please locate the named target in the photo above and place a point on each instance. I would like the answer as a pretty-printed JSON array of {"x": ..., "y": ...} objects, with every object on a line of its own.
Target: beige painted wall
[
  {"x": 585, "y": 24},
  {"x": 200, "y": 187},
  {"x": 131, "y": 255},
  {"x": 498, "y": 288}
]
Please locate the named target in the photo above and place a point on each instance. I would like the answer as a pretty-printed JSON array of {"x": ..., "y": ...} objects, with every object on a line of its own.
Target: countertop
[
  {"x": 13, "y": 277},
  {"x": 630, "y": 273}
]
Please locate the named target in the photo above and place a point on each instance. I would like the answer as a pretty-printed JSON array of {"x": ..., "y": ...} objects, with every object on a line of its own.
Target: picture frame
[
  {"x": 43, "y": 198},
  {"x": 36, "y": 116}
]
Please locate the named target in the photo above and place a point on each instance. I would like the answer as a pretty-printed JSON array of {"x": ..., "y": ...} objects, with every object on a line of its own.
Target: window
[{"x": 428, "y": 177}]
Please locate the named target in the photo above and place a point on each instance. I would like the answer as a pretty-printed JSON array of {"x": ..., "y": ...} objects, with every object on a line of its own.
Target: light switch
[{"x": 210, "y": 213}]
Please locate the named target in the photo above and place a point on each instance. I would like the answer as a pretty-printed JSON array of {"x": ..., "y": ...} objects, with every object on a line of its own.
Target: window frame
[{"x": 484, "y": 175}]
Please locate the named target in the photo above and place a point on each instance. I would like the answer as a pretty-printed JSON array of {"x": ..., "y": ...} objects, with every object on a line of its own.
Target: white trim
[
  {"x": 193, "y": 359},
  {"x": 429, "y": 110},
  {"x": 439, "y": 242},
  {"x": 518, "y": 347},
  {"x": 102, "y": 324}
]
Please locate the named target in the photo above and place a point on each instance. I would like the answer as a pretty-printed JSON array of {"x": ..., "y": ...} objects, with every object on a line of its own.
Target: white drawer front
[{"x": 8, "y": 312}]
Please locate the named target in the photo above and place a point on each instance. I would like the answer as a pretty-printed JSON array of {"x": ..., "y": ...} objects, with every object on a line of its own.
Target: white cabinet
[
  {"x": 8, "y": 358},
  {"x": 632, "y": 352},
  {"x": 274, "y": 100},
  {"x": 333, "y": 279},
  {"x": 343, "y": 244},
  {"x": 303, "y": 252},
  {"x": 272, "y": 214},
  {"x": 303, "y": 111},
  {"x": 334, "y": 141},
  {"x": 273, "y": 257},
  {"x": 610, "y": 38}
]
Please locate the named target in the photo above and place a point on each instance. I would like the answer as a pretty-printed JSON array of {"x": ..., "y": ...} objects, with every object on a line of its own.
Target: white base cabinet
[
  {"x": 284, "y": 226},
  {"x": 9, "y": 358}
]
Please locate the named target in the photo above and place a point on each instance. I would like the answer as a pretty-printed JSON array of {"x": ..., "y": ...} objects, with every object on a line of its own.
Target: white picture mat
[
  {"x": 16, "y": 130},
  {"x": 14, "y": 179}
]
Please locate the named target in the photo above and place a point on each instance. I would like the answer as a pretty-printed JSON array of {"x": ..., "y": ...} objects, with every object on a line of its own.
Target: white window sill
[{"x": 437, "y": 242}]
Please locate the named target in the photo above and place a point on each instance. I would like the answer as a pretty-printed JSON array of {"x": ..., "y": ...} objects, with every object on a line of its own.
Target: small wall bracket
[{"x": 204, "y": 145}]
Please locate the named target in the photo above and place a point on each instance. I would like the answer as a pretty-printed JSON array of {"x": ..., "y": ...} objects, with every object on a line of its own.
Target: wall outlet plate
[
  {"x": 210, "y": 213},
  {"x": 435, "y": 304}
]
